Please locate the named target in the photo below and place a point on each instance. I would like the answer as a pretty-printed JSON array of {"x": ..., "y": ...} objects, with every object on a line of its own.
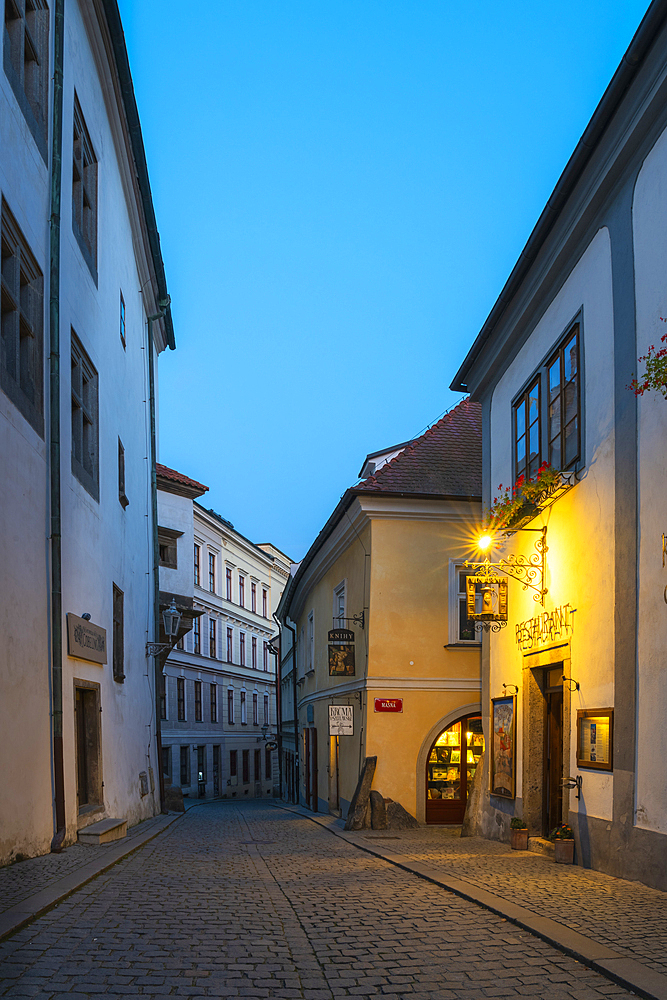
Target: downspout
[
  {"x": 279, "y": 721},
  {"x": 297, "y": 786},
  {"x": 54, "y": 431},
  {"x": 157, "y": 660}
]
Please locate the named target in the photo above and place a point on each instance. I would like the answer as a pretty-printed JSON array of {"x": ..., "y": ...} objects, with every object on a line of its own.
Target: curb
[
  {"x": 34, "y": 906},
  {"x": 618, "y": 968}
]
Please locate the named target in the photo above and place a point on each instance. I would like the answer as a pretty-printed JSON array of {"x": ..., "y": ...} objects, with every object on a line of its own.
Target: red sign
[{"x": 388, "y": 704}]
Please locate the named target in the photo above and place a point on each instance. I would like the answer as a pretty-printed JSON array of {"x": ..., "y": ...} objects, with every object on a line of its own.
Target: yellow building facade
[{"x": 388, "y": 568}]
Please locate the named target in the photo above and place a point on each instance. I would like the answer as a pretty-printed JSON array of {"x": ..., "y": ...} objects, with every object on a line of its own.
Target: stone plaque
[{"x": 85, "y": 640}]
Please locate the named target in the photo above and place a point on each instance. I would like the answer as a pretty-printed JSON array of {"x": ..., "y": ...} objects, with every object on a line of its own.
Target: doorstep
[
  {"x": 540, "y": 845},
  {"x": 103, "y": 832}
]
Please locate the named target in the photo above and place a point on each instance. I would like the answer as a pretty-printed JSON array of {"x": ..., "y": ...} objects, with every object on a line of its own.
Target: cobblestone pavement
[
  {"x": 252, "y": 901},
  {"x": 23, "y": 879},
  {"x": 627, "y": 916}
]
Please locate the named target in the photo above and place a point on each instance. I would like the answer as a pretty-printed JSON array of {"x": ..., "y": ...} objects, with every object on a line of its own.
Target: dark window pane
[
  {"x": 520, "y": 419},
  {"x": 533, "y": 404},
  {"x": 462, "y": 583},
  {"x": 466, "y": 627},
  {"x": 570, "y": 359},
  {"x": 554, "y": 453},
  {"x": 571, "y": 441},
  {"x": 554, "y": 378},
  {"x": 534, "y": 442},
  {"x": 570, "y": 401}
]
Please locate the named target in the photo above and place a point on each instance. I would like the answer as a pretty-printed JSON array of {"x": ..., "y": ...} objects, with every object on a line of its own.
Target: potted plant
[
  {"x": 563, "y": 841},
  {"x": 518, "y": 834},
  {"x": 517, "y": 505},
  {"x": 655, "y": 376}
]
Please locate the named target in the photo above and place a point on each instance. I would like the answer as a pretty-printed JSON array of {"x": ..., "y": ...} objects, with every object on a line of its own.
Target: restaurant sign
[
  {"x": 85, "y": 640},
  {"x": 341, "y": 722},
  {"x": 545, "y": 629}
]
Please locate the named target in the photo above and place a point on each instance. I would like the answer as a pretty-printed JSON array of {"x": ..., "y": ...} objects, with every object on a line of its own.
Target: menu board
[{"x": 594, "y": 738}]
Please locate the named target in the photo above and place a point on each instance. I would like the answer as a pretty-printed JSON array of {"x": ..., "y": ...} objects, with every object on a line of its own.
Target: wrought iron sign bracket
[
  {"x": 356, "y": 620},
  {"x": 156, "y": 648},
  {"x": 530, "y": 571}
]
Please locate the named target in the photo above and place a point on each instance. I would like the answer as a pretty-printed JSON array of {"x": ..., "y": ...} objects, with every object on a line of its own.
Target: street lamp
[{"x": 171, "y": 619}]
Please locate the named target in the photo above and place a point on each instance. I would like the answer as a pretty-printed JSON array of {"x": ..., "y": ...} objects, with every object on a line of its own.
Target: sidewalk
[
  {"x": 615, "y": 926},
  {"x": 28, "y": 888}
]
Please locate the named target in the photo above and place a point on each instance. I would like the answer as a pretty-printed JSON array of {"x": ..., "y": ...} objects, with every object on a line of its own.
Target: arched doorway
[{"x": 450, "y": 767}]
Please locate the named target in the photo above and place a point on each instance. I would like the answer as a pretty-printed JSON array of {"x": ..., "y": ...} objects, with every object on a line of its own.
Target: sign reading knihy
[{"x": 340, "y": 720}]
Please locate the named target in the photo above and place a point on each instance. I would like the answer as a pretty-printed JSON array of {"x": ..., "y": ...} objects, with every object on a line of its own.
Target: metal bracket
[
  {"x": 155, "y": 648},
  {"x": 530, "y": 571},
  {"x": 356, "y": 620},
  {"x": 573, "y": 783}
]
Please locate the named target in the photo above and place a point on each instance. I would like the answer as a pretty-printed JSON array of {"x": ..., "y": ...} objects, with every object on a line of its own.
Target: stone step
[
  {"x": 103, "y": 832},
  {"x": 540, "y": 845}
]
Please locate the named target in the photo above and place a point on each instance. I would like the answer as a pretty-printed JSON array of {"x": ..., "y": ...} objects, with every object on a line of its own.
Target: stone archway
[{"x": 425, "y": 749}]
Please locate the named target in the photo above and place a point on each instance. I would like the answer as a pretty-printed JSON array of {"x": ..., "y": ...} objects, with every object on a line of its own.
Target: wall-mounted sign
[
  {"x": 388, "y": 704},
  {"x": 502, "y": 772},
  {"x": 341, "y": 635},
  {"x": 595, "y": 731},
  {"x": 546, "y": 628},
  {"x": 341, "y": 722},
  {"x": 341, "y": 660},
  {"x": 85, "y": 640},
  {"x": 493, "y": 593}
]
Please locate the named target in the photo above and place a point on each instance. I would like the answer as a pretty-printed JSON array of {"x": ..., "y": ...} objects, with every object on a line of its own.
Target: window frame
[
  {"x": 185, "y": 766},
  {"x": 30, "y": 87},
  {"x": 22, "y": 380},
  {"x": 267, "y": 711},
  {"x": 211, "y": 572},
  {"x": 85, "y": 407},
  {"x": 253, "y": 597},
  {"x": 198, "y": 705},
  {"x": 196, "y": 634},
  {"x": 255, "y": 708},
  {"x": 241, "y": 590},
  {"x": 456, "y": 598},
  {"x": 118, "y": 634},
  {"x": 253, "y": 652},
  {"x": 230, "y": 644},
  {"x": 230, "y": 706},
  {"x": 228, "y": 583},
  {"x": 265, "y": 601},
  {"x": 212, "y": 638},
  {"x": 559, "y": 355},
  {"x": 573, "y": 328},
  {"x": 213, "y": 701},
  {"x": 84, "y": 223},
  {"x": 197, "y": 564},
  {"x": 244, "y": 707},
  {"x": 524, "y": 400},
  {"x": 246, "y": 766},
  {"x": 181, "y": 709}
]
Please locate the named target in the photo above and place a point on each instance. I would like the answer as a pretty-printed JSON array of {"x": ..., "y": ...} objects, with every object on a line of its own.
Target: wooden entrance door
[
  {"x": 450, "y": 768},
  {"x": 553, "y": 759},
  {"x": 310, "y": 776}
]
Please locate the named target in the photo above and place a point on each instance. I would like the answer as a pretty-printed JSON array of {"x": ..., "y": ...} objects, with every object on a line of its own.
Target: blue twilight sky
[{"x": 342, "y": 189}]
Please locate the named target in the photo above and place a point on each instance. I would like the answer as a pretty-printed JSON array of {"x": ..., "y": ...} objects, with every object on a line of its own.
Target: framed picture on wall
[
  {"x": 595, "y": 738},
  {"x": 502, "y": 770}
]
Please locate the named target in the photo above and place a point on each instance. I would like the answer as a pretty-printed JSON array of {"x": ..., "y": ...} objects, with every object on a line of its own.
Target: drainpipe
[
  {"x": 279, "y": 721},
  {"x": 157, "y": 662},
  {"x": 297, "y": 788},
  {"x": 54, "y": 431}
]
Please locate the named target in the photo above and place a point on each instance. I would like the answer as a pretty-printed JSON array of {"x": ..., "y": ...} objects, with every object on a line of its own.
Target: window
[
  {"x": 266, "y": 709},
  {"x": 310, "y": 649},
  {"x": 547, "y": 416},
  {"x": 255, "y": 709},
  {"x": 258, "y": 765},
  {"x": 166, "y": 763},
  {"x": 230, "y": 645},
  {"x": 122, "y": 321},
  {"x": 246, "y": 767},
  {"x": 26, "y": 62},
  {"x": 168, "y": 547},
  {"x": 265, "y": 656},
  {"x": 84, "y": 191},
  {"x": 180, "y": 643},
  {"x": 197, "y": 563},
  {"x": 228, "y": 584},
  {"x": 253, "y": 652},
  {"x": 242, "y": 648},
  {"x": 118, "y": 635},
  {"x": 461, "y": 629},
  {"x": 267, "y": 765},
  {"x": 180, "y": 696},
  {"x": 564, "y": 404},
  {"x": 185, "y": 765},
  {"x": 211, "y": 638},
  {"x": 230, "y": 706},
  {"x": 253, "y": 597},
  {"x": 241, "y": 591},
  {"x": 121, "y": 475},
  {"x": 201, "y": 764},
  {"x": 198, "y": 713},
  {"x": 211, "y": 572},
  {"x": 196, "y": 635},
  {"x": 265, "y": 598},
  {"x": 339, "y": 606},
  {"x": 233, "y": 765},
  {"x": 22, "y": 343},
  {"x": 527, "y": 432},
  {"x": 85, "y": 421},
  {"x": 244, "y": 709},
  {"x": 214, "y": 703},
  {"x": 163, "y": 696}
]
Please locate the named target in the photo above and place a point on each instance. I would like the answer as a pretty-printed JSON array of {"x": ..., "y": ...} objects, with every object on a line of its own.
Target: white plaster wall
[
  {"x": 580, "y": 524},
  {"x": 102, "y": 543},
  {"x": 26, "y": 817},
  {"x": 650, "y": 247},
  {"x": 175, "y": 512}
]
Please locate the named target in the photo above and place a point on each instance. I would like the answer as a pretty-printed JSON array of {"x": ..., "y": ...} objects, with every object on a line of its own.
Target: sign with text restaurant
[
  {"x": 341, "y": 722},
  {"x": 388, "y": 704}
]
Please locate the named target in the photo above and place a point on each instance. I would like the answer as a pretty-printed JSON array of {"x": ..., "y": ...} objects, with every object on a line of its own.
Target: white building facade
[
  {"x": 218, "y": 702},
  {"x": 81, "y": 273},
  {"x": 552, "y": 368}
]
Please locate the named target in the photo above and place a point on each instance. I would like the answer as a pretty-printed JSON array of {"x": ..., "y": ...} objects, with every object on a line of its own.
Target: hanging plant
[
  {"x": 520, "y": 502},
  {"x": 655, "y": 376}
]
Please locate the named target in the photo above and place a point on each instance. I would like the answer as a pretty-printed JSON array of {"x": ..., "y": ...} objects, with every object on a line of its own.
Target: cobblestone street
[{"x": 254, "y": 901}]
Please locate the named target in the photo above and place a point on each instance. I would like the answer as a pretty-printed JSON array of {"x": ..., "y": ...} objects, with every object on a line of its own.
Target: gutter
[
  {"x": 644, "y": 37},
  {"x": 117, "y": 36},
  {"x": 60, "y": 825}
]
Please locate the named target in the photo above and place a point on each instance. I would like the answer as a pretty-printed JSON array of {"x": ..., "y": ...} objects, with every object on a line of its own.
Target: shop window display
[{"x": 451, "y": 766}]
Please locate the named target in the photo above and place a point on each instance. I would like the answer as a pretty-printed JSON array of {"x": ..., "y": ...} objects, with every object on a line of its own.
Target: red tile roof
[
  {"x": 177, "y": 477},
  {"x": 445, "y": 461}
]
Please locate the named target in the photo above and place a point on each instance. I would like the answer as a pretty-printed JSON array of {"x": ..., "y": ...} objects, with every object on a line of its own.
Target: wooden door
[{"x": 553, "y": 760}]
